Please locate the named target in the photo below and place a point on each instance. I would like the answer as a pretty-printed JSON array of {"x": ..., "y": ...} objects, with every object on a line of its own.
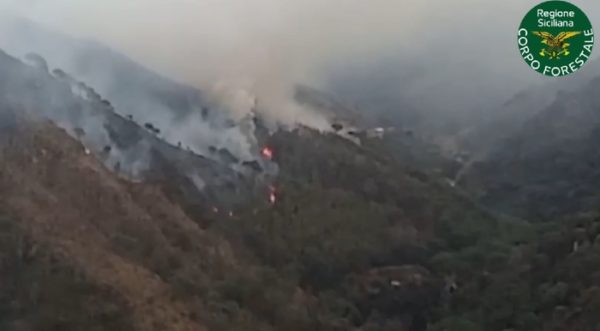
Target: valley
[{"x": 144, "y": 204}]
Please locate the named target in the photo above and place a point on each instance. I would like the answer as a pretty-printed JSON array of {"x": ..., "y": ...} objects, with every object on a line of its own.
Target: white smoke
[{"x": 247, "y": 50}]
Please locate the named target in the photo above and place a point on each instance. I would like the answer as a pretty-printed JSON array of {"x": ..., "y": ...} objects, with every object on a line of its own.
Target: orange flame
[{"x": 267, "y": 153}]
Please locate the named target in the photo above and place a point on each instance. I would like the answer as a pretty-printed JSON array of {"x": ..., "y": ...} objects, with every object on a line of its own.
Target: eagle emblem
[{"x": 556, "y": 45}]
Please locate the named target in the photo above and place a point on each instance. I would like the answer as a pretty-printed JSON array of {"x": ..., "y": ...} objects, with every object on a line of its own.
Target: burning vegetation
[{"x": 267, "y": 153}]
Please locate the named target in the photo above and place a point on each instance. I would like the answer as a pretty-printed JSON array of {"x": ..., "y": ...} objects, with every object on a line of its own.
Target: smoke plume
[
  {"x": 230, "y": 47},
  {"x": 246, "y": 51}
]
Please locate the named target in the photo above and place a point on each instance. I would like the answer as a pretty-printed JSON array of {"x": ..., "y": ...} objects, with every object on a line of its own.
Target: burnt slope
[{"x": 125, "y": 146}]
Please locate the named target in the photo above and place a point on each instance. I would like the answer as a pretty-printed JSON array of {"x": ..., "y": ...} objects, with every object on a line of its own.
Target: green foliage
[
  {"x": 344, "y": 210},
  {"x": 356, "y": 241}
]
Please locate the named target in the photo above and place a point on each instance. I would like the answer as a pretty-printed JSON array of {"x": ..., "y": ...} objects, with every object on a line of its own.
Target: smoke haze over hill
[{"x": 413, "y": 50}]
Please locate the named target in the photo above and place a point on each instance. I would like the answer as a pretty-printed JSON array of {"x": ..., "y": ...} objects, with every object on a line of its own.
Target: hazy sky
[
  {"x": 265, "y": 46},
  {"x": 190, "y": 38}
]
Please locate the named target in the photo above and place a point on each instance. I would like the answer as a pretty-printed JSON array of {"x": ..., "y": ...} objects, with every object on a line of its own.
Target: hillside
[
  {"x": 509, "y": 118},
  {"x": 548, "y": 167},
  {"x": 107, "y": 223},
  {"x": 353, "y": 239},
  {"x": 76, "y": 251},
  {"x": 144, "y": 264}
]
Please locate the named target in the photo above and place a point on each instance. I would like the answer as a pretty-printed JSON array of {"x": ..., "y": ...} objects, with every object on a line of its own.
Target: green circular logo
[{"x": 556, "y": 38}]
